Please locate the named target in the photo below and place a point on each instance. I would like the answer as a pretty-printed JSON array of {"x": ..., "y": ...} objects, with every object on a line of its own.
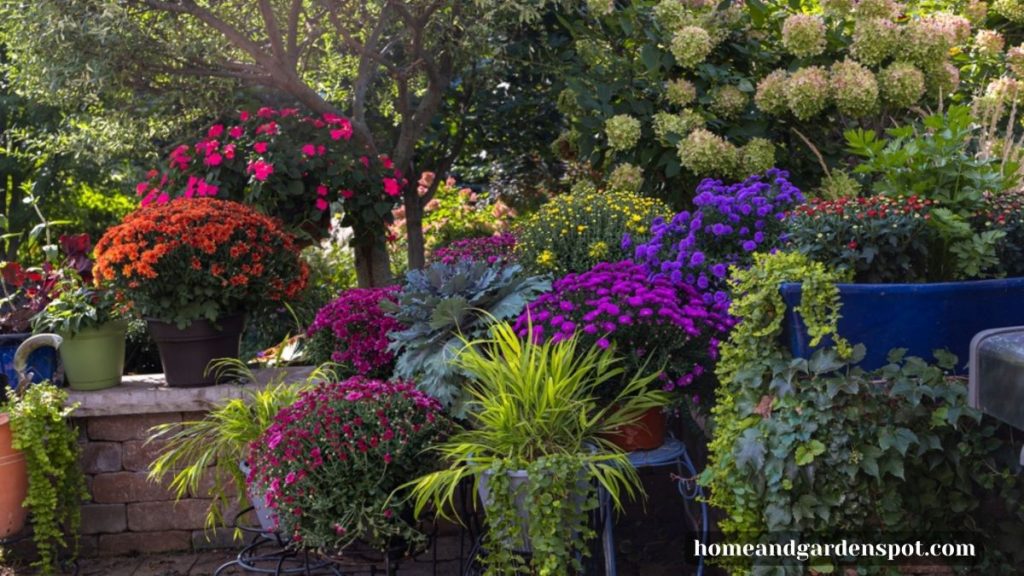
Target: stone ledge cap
[{"x": 148, "y": 394}]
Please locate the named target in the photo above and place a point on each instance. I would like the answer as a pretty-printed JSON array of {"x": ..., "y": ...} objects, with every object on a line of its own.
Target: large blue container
[
  {"x": 919, "y": 317},
  {"x": 42, "y": 363}
]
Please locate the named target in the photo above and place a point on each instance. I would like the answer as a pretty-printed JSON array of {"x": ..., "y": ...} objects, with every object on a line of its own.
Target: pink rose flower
[
  {"x": 260, "y": 147},
  {"x": 308, "y": 149},
  {"x": 236, "y": 132},
  {"x": 391, "y": 187},
  {"x": 213, "y": 159},
  {"x": 215, "y": 131}
]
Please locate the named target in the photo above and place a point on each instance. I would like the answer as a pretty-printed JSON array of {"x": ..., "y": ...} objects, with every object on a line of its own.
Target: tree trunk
[
  {"x": 373, "y": 264},
  {"x": 414, "y": 228}
]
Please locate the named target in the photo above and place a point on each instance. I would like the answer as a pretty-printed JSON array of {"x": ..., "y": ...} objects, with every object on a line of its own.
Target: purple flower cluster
[
  {"x": 356, "y": 329},
  {"x": 729, "y": 224},
  {"x": 488, "y": 249},
  {"x": 649, "y": 320}
]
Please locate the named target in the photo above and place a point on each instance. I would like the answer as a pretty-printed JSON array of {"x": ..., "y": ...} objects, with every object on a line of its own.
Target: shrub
[
  {"x": 455, "y": 214},
  {"x": 573, "y": 232},
  {"x": 443, "y": 302},
  {"x": 329, "y": 463},
  {"x": 201, "y": 258},
  {"x": 352, "y": 331},
  {"x": 490, "y": 249},
  {"x": 290, "y": 165},
  {"x": 652, "y": 324}
]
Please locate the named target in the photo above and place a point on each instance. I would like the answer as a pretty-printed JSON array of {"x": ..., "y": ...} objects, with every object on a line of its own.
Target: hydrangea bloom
[
  {"x": 623, "y": 132},
  {"x": 728, "y": 101},
  {"x": 874, "y": 40},
  {"x": 679, "y": 125},
  {"x": 353, "y": 330},
  {"x": 876, "y": 9},
  {"x": 807, "y": 92},
  {"x": 691, "y": 45},
  {"x": 626, "y": 177},
  {"x": 941, "y": 80},
  {"x": 651, "y": 321},
  {"x": 680, "y": 92},
  {"x": 1015, "y": 60},
  {"x": 488, "y": 249},
  {"x": 731, "y": 222},
  {"x": 901, "y": 84},
  {"x": 803, "y": 35},
  {"x": 1012, "y": 10},
  {"x": 989, "y": 42},
  {"x": 771, "y": 93},
  {"x": 853, "y": 89},
  {"x": 705, "y": 153},
  {"x": 756, "y": 156}
]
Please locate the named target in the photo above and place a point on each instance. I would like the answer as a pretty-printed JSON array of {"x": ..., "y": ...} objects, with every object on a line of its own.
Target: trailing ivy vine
[
  {"x": 40, "y": 429},
  {"x": 557, "y": 501},
  {"x": 817, "y": 449}
]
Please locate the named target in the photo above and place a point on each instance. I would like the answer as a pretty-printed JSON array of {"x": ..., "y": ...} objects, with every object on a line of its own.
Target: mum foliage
[
  {"x": 352, "y": 331},
  {"x": 573, "y": 232},
  {"x": 653, "y": 325},
  {"x": 490, "y": 249},
  {"x": 329, "y": 463},
  {"x": 199, "y": 258},
  {"x": 290, "y": 165}
]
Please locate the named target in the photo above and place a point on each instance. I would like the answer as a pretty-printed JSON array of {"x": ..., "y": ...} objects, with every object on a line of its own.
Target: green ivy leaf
[{"x": 806, "y": 453}]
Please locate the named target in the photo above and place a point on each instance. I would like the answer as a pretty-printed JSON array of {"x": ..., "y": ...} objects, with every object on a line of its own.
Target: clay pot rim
[{"x": 4, "y": 418}]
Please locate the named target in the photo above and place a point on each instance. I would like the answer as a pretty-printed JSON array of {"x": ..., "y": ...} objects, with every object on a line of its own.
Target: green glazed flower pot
[{"x": 94, "y": 358}]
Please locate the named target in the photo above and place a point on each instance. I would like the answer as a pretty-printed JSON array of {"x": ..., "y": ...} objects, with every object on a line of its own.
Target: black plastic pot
[{"x": 186, "y": 353}]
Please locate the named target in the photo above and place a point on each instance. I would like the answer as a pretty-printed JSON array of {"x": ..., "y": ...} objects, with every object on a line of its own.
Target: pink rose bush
[
  {"x": 329, "y": 463},
  {"x": 292, "y": 166},
  {"x": 352, "y": 330}
]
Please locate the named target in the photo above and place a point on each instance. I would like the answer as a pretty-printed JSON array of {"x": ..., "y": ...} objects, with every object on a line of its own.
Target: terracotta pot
[
  {"x": 185, "y": 354},
  {"x": 647, "y": 433},
  {"x": 13, "y": 483}
]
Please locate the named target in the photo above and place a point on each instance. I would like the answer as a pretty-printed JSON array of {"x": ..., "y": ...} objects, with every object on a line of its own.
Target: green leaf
[{"x": 806, "y": 453}]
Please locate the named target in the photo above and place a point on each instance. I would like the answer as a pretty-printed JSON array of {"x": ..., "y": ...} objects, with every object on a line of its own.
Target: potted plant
[
  {"x": 535, "y": 436},
  {"x": 218, "y": 444},
  {"x": 649, "y": 321},
  {"x": 932, "y": 249},
  {"x": 93, "y": 332},
  {"x": 352, "y": 331},
  {"x": 330, "y": 462},
  {"x": 40, "y": 472},
  {"x": 26, "y": 291},
  {"x": 193, "y": 268}
]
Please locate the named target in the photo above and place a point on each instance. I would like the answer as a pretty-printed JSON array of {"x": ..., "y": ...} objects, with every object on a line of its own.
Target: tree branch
[{"x": 273, "y": 31}]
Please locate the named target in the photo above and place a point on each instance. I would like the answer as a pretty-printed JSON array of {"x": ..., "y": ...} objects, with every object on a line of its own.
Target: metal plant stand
[
  {"x": 271, "y": 553},
  {"x": 671, "y": 453}
]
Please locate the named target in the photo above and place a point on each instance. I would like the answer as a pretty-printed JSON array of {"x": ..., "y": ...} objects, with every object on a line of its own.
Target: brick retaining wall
[{"x": 126, "y": 513}]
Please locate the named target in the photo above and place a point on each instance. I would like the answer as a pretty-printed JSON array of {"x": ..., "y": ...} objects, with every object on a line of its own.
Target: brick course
[{"x": 125, "y": 512}]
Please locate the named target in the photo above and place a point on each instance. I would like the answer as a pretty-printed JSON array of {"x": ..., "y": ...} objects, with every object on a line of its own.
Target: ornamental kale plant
[
  {"x": 488, "y": 249},
  {"x": 729, "y": 224},
  {"x": 444, "y": 302},
  {"x": 329, "y": 463},
  {"x": 352, "y": 331},
  {"x": 653, "y": 324}
]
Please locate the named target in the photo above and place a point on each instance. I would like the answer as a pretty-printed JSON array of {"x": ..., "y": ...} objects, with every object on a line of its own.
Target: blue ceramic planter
[
  {"x": 41, "y": 364},
  {"x": 919, "y": 317}
]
